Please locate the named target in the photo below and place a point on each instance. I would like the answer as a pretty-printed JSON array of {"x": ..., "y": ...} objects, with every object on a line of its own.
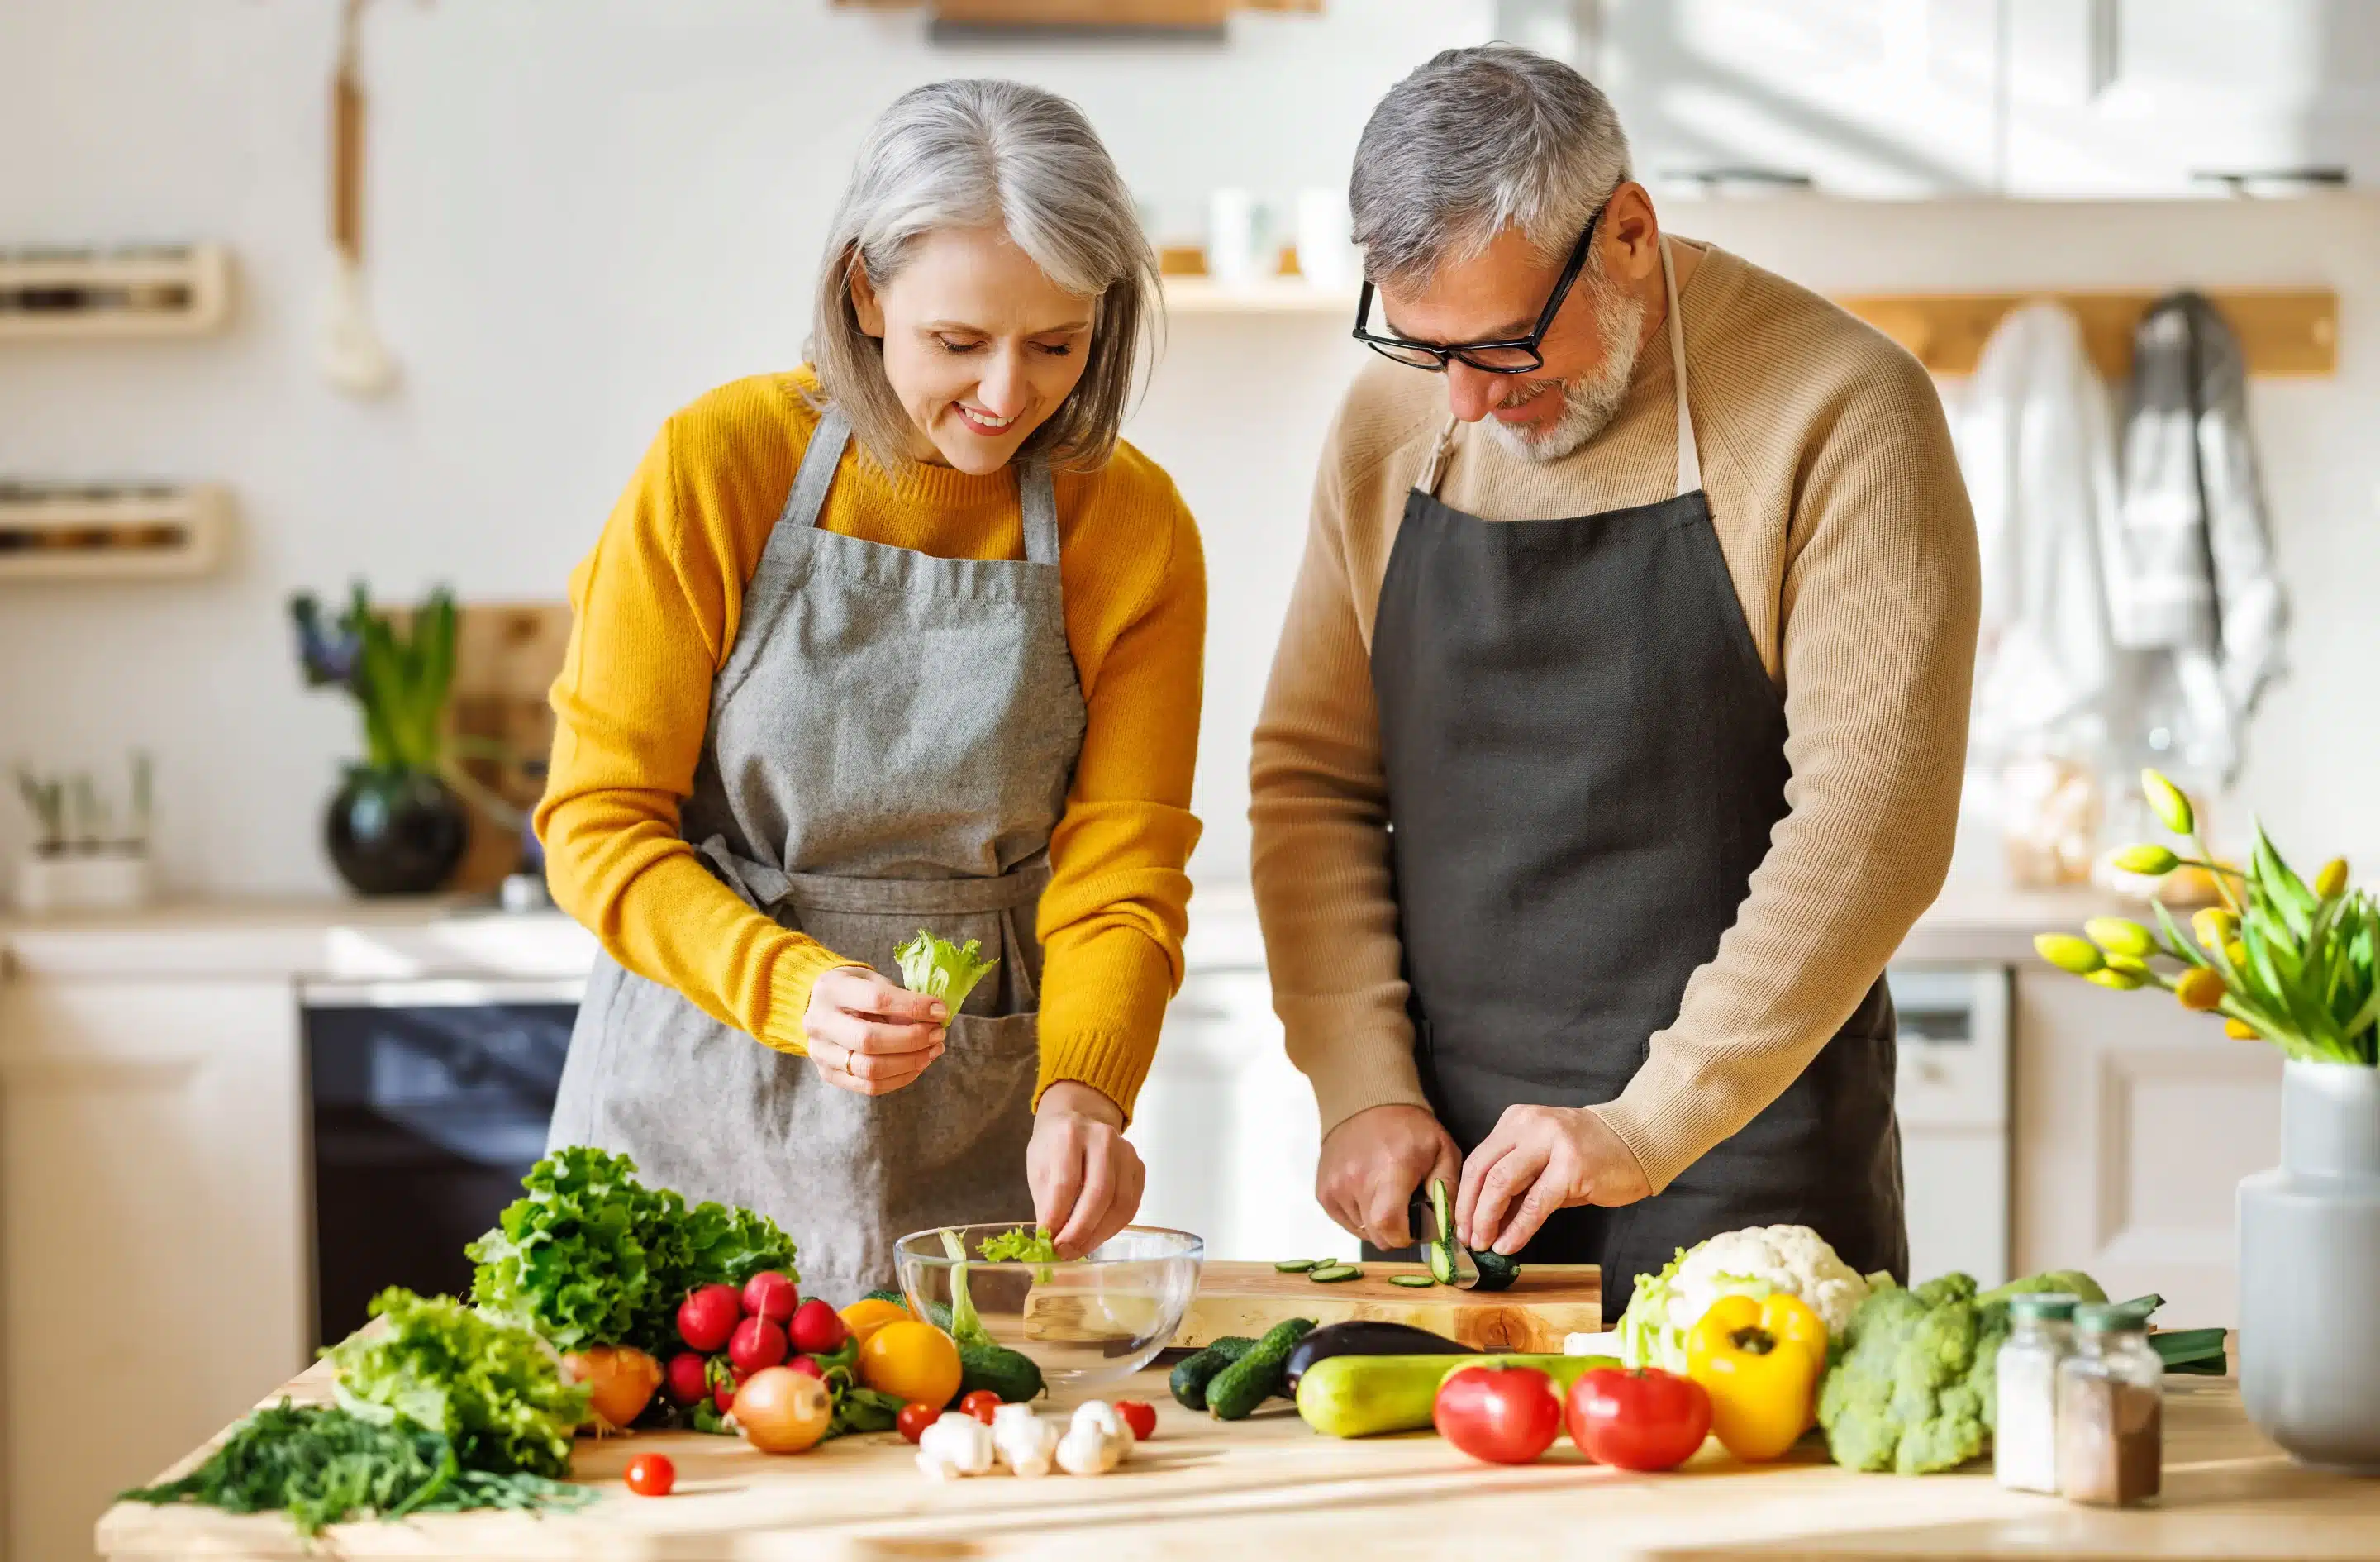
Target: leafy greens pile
[
  {"x": 588, "y": 1255},
  {"x": 321, "y": 1465},
  {"x": 494, "y": 1390}
]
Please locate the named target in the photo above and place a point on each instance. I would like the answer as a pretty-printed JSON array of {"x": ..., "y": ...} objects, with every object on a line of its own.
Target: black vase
[{"x": 395, "y": 832}]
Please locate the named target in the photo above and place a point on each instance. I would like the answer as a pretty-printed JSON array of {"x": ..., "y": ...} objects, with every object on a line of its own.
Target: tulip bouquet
[{"x": 2281, "y": 961}]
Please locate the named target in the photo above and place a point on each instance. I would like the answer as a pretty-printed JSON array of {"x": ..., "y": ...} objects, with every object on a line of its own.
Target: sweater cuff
[
  {"x": 1115, "y": 1065},
  {"x": 787, "y": 1001},
  {"x": 1662, "y": 1142}
]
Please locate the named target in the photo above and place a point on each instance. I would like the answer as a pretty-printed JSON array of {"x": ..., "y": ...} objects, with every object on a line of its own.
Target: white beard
[{"x": 1587, "y": 404}]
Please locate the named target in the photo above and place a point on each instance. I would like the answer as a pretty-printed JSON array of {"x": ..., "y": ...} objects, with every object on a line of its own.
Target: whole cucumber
[
  {"x": 1194, "y": 1373},
  {"x": 1255, "y": 1377},
  {"x": 1365, "y": 1396}
]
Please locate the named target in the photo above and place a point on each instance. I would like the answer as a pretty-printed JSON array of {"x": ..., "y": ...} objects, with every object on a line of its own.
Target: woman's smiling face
[{"x": 979, "y": 344}]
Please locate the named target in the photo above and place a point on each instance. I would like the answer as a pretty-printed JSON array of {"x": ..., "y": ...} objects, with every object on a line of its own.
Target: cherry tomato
[
  {"x": 1140, "y": 1416},
  {"x": 980, "y": 1405},
  {"x": 1648, "y": 1419},
  {"x": 1505, "y": 1415},
  {"x": 651, "y": 1475},
  {"x": 916, "y": 1416}
]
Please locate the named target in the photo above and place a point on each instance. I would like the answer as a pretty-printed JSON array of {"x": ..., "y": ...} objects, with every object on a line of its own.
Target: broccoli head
[
  {"x": 2071, "y": 1281},
  {"x": 1911, "y": 1384}
]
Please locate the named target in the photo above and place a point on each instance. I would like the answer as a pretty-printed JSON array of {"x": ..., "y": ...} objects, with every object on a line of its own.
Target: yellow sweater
[
  {"x": 1852, "y": 549},
  {"x": 657, "y": 608}
]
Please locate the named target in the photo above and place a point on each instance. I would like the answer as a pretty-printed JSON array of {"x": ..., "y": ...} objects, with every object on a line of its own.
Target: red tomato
[
  {"x": 1139, "y": 1415},
  {"x": 651, "y": 1475},
  {"x": 916, "y": 1416},
  {"x": 980, "y": 1405},
  {"x": 1505, "y": 1415},
  {"x": 1648, "y": 1419}
]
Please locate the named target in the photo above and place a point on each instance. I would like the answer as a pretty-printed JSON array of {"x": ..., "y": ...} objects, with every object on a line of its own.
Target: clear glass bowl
[{"x": 1089, "y": 1321}]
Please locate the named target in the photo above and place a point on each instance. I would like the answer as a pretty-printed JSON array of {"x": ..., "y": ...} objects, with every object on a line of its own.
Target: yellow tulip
[
  {"x": 2153, "y": 862},
  {"x": 2214, "y": 927},
  {"x": 2116, "y": 981},
  {"x": 2241, "y": 1030},
  {"x": 2200, "y": 990},
  {"x": 2069, "y": 953},
  {"x": 2133, "y": 963},
  {"x": 2237, "y": 953},
  {"x": 2331, "y": 880},
  {"x": 2169, "y": 802},
  {"x": 2119, "y": 935}
]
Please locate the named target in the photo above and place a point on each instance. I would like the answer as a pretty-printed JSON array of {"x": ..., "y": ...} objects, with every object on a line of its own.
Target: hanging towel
[
  {"x": 2036, "y": 445},
  {"x": 2188, "y": 558}
]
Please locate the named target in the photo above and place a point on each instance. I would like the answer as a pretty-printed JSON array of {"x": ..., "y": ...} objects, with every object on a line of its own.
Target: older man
[{"x": 1615, "y": 735}]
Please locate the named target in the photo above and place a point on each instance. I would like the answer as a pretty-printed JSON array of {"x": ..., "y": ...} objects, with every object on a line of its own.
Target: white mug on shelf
[
  {"x": 1236, "y": 234},
  {"x": 1326, "y": 255}
]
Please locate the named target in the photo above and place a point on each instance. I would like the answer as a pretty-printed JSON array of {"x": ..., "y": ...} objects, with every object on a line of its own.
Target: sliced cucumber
[
  {"x": 1298, "y": 1266},
  {"x": 1442, "y": 1201},
  {"x": 1335, "y": 1273},
  {"x": 1416, "y": 1281},
  {"x": 1442, "y": 1261}
]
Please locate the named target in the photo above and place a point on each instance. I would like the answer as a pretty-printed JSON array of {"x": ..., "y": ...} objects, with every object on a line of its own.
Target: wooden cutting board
[{"x": 1547, "y": 1302}]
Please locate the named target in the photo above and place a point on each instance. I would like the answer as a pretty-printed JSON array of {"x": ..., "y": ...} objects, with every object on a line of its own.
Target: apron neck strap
[
  {"x": 1690, "y": 457},
  {"x": 804, "y": 503}
]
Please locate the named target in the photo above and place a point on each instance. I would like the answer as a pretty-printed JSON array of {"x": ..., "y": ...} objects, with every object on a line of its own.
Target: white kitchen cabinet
[
  {"x": 152, "y": 1271},
  {"x": 2114, "y": 98},
  {"x": 1863, "y": 97},
  {"x": 2135, "y": 1121}
]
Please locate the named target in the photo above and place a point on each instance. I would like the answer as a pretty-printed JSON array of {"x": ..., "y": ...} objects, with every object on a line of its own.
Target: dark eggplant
[{"x": 1366, "y": 1336}]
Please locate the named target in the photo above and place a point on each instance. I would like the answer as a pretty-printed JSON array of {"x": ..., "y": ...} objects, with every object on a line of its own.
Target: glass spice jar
[
  {"x": 2110, "y": 1411},
  {"x": 2024, "y": 1439}
]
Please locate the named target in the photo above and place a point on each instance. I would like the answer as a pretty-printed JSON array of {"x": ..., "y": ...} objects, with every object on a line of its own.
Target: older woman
[{"x": 905, "y": 638}]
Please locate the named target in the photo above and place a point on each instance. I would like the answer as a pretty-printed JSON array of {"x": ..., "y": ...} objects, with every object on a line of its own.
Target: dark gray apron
[
  {"x": 889, "y": 747},
  {"x": 1585, "y": 758}
]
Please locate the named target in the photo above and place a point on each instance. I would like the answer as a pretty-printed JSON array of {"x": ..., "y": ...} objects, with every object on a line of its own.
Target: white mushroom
[
  {"x": 1109, "y": 1420},
  {"x": 1027, "y": 1444},
  {"x": 1095, "y": 1442},
  {"x": 955, "y": 1445}
]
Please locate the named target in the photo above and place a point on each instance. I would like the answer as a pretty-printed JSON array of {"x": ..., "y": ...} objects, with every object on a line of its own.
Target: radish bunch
[{"x": 730, "y": 1335}]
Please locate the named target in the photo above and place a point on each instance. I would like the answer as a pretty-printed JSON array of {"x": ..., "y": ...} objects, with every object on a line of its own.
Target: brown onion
[
  {"x": 621, "y": 1380},
  {"x": 779, "y": 1410}
]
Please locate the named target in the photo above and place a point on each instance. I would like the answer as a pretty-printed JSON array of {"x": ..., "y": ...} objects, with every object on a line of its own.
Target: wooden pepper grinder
[{"x": 353, "y": 355}]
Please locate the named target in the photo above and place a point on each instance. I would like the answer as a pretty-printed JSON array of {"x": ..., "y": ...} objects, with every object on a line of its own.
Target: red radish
[
  {"x": 707, "y": 1317},
  {"x": 772, "y": 1296},
  {"x": 724, "y": 1395},
  {"x": 689, "y": 1378},
  {"x": 757, "y": 1344},
  {"x": 807, "y": 1364},
  {"x": 817, "y": 1329}
]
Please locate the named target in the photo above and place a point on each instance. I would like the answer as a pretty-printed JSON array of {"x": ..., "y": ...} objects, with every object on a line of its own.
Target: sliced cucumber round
[
  {"x": 1442, "y": 1261},
  {"x": 1298, "y": 1266},
  {"x": 1416, "y": 1281},
  {"x": 1335, "y": 1273}
]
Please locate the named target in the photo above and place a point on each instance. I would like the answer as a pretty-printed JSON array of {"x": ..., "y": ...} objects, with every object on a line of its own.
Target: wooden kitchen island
[{"x": 1267, "y": 1488}]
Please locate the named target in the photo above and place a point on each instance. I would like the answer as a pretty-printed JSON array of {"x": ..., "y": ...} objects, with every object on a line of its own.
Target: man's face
[{"x": 1590, "y": 351}]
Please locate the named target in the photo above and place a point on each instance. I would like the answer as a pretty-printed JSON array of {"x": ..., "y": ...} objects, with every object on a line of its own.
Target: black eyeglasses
[{"x": 1515, "y": 356}]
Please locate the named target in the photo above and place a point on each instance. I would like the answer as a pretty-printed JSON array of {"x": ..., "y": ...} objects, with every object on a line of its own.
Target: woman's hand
[
  {"x": 1085, "y": 1175},
  {"x": 870, "y": 1036}
]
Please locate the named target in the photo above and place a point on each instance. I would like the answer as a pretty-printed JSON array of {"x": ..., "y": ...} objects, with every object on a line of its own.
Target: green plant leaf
[{"x": 2177, "y": 946}]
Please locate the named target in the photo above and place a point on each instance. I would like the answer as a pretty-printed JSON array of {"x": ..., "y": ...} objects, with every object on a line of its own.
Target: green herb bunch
[
  {"x": 321, "y": 1465},
  {"x": 588, "y": 1255},
  {"x": 494, "y": 1389},
  {"x": 2293, "y": 963},
  {"x": 400, "y": 680}
]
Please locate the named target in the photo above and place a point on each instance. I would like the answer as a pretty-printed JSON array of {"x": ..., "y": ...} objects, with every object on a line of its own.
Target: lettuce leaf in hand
[
  {"x": 1021, "y": 1246},
  {"x": 940, "y": 969},
  {"x": 494, "y": 1389}
]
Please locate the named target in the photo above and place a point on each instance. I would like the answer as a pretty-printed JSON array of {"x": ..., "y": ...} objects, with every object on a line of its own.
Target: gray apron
[
  {"x": 1585, "y": 758},
  {"x": 889, "y": 747}
]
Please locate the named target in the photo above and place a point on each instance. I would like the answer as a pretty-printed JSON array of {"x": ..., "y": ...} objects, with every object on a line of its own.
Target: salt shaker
[{"x": 2024, "y": 1439}]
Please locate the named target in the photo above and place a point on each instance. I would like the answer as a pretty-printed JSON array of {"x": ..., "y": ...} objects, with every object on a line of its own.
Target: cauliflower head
[{"x": 1756, "y": 1262}]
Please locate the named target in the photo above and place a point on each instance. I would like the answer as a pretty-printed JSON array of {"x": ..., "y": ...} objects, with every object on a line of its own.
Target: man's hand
[
  {"x": 1372, "y": 1163},
  {"x": 1541, "y": 1159},
  {"x": 870, "y": 1036},
  {"x": 1086, "y": 1177}
]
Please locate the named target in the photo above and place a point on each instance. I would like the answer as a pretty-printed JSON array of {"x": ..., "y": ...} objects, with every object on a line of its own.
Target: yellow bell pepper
[{"x": 1760, "y": 1360}]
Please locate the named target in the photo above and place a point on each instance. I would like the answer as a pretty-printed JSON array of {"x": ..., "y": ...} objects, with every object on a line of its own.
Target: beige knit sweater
[{"x": 1846, "y": 532}]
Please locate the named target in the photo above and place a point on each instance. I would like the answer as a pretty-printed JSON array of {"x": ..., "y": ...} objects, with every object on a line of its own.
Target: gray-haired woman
[{"x": 824, "y": 690}]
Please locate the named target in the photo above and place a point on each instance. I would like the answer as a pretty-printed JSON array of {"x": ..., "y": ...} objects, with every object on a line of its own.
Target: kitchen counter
[{"x": 1267, "y": 1488}]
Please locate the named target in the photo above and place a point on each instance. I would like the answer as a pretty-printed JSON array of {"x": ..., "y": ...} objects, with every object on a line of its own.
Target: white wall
[{"x": 583, "y": 212}]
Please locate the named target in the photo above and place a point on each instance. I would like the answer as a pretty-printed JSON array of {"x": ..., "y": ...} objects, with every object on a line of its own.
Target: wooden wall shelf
[
  {"x": 2281, "y": 332},
  {"x": 125, "y": 533},
  {"x": 159, "y": 290}
]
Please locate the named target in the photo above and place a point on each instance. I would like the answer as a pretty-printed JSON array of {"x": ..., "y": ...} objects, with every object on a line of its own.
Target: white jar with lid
[{"x": 2025, "y": 1434}]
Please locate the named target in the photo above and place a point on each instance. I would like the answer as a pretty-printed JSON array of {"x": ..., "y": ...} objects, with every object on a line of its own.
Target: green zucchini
[
  {"x": 1335, "y": 1273},
  {"x": 1365, "y": 1396},
  {"x": 886, "y": 1294},
  {"x": 1416, "y": 1281},
  {"x": 1235, "y": 1392},
  {"x": 1497, "y": 1271},
  {"x": 1299, "y": 1266},
  {"x": 1192, "y": 1373}
]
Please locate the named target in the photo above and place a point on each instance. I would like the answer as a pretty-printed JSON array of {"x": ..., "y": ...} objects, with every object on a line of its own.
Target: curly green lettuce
[
  {"x": 940, "y": 969},
  {"x": 1021, "y": 1246},
  {"x": 494, "y": 1389}
]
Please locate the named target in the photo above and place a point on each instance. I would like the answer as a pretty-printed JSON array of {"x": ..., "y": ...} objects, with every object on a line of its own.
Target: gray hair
[
  {"x": 1475, "y": 141},
  {"x": 982, "y": 154}
]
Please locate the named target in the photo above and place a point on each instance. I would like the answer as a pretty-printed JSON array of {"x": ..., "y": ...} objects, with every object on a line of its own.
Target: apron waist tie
[{"x": 766, "y": 887}]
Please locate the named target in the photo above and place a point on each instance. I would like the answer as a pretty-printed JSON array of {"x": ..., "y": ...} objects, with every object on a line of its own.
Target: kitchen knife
[{"x": 1433, "y": 1226}]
